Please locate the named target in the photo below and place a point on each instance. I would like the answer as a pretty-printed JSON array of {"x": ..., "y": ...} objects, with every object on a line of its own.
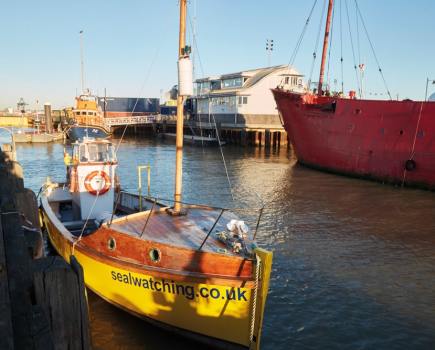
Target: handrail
[
  {"x": 157, "y": 201},
  {"x": 204, "y": 205},
  {"x": 139, "y": 175}
]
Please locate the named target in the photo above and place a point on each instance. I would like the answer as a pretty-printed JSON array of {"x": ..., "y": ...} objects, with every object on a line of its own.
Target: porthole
[
  {"x": 111, "y": 243},
  {"x": 155, "y": 255}
]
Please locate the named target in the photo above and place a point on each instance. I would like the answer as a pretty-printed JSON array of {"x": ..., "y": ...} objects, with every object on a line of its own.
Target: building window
[
  {"x": 216, "y": 85},
  {"x": 286, "y": 80},
  {"x": 203, "y": 87},
  {"x": 234, "y": 82},
  {"x": 294, "y": 81},
  {"x": 245, "y": 100}
]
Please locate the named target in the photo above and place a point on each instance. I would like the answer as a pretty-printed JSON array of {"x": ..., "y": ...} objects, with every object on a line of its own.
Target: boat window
[
  {"x": 83, "y": 155},
  {"x": 76, "y": 152},
  {"x": 112, "y": 154},
  {"x": 98, "y": 152},
  {"x": 90, "y": 113}
]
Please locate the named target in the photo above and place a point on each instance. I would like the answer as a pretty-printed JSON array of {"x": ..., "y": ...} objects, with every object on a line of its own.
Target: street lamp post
[{"x": 269, "y": 49}]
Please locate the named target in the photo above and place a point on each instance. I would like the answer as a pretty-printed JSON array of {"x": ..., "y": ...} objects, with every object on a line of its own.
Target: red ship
[{"x": 388, "y": 141}]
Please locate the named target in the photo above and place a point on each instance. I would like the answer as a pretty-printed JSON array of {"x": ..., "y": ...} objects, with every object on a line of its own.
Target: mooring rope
[
  {"x": 413, "y": 143},
  {"x": 254, "y": 302}
]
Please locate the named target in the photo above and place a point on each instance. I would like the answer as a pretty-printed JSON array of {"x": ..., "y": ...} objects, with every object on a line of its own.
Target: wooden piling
[
  {"x": 243, "y": 138},
  {"x": 6, "y": 330},
  {"x": 267, "y": 138},
  {"x": 60, "y": 290},
  {"x": 42, "y": 302}
]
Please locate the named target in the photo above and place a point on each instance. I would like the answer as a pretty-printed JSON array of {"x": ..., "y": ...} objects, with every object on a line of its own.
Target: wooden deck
[{"x": 187, "y": 231}]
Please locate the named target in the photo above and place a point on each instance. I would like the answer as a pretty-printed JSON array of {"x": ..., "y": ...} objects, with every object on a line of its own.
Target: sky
[{"x": 130, "y": 46}]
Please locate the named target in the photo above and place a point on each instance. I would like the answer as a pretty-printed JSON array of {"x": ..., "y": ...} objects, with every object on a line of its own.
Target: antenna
[{"x": 82, "y": 69}]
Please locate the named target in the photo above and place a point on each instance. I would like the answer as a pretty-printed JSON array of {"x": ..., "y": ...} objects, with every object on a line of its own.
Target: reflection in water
[{"x": 354, "y": 263}]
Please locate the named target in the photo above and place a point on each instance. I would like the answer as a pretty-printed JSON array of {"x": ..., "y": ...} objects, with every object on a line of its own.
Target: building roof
[{"x": 253, "y": 77}]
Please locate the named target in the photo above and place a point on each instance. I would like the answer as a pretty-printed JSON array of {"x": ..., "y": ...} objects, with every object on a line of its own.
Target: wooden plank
[
  {"x": 84, "y": 312},
  {"x": 20, "y": 282},
  {"x": 6, "y": 331},
  {"x": 58, "y": 291}
]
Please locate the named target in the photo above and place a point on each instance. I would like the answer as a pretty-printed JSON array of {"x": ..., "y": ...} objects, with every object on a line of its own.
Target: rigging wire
[
  {"x": 341, "y": 48},
  {"x": 353, "y": 49},
  {"x": 223, "y": 158},
  {"x": 195, "y": 44},
  {"x": 300, "y": 39},
  {"x": 195, "y": 51},
  {"x": 357, "y": 36},
  {"x": 317, "y": 44},
  {"x": 79, "y": 238},
  {"x": 328, "y": 82},
  {"x": 360, "y": 63},
  {"x": 116, "y": 151},
  {"x": 137, "y": 99},
  {"x": 373, "y": 49}
]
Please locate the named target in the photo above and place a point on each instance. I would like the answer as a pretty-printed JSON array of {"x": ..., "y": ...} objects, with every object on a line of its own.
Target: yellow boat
[{"x": 193, "y": 269}]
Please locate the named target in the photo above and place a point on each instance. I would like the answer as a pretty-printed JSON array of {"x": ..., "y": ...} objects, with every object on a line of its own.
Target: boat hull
[
  {"x": 216, "y": 311},
  {"x": 388, "y": 141},
  {"x": 78, "y": 132}
]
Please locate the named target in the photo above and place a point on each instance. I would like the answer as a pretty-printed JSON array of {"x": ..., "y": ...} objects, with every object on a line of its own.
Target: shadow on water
[{"x": 113, "y": 328}]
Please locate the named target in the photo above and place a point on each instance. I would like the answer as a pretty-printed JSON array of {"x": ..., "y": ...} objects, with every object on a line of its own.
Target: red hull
[{"x": 364, "y": 138}]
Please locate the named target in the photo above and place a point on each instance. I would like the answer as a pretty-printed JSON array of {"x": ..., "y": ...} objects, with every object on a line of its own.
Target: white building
[{"x": 244, "y": 99}]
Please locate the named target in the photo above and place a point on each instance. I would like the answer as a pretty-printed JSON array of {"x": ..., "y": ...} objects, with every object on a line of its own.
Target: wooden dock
[
  {"x": 258, "y": 135},
  {"x": 42, "y": 300}
]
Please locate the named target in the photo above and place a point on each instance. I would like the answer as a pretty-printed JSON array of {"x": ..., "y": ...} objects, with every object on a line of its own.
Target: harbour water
[{"x": 354, "y": 261}]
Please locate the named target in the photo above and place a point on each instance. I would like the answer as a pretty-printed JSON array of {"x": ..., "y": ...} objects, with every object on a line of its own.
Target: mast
[
  {"x": 325, "y": 46},
  {"x": 180, "y": 117},
  {"x": 82, "y": 63}
]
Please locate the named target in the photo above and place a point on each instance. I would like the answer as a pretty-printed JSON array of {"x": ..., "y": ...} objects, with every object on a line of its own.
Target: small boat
[
  {"x": 196, "y": 140},
  {"x": 193, "y": 269},
  {"x": 385, "y": 140},
  {"x": 87, "y": 120}
]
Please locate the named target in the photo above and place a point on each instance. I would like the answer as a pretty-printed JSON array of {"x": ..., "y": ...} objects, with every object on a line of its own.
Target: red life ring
[{"x": 99, "y": 190}]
